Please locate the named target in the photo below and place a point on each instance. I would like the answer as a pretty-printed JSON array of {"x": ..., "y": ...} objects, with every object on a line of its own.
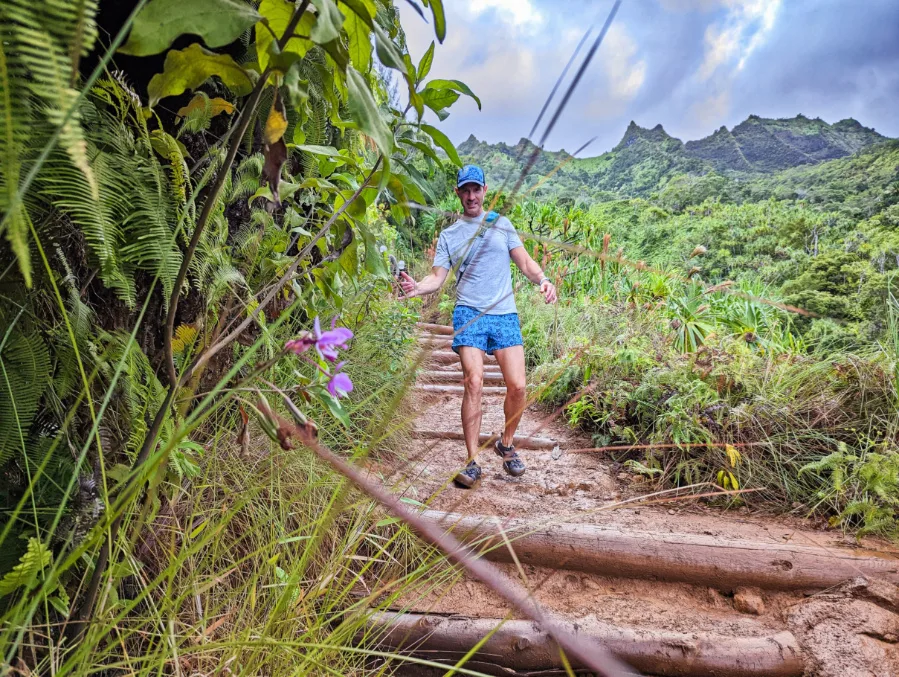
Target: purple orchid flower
[
  {"x": 339, "y": 384},
  {"x": 301, "y": 344},
  {"x": 327, "y": 343}
]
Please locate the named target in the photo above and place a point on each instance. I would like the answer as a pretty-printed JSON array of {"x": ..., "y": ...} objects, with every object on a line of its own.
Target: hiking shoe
[
  {"x": 469, "y": 475},
  {"x": 512, "y": 462}
]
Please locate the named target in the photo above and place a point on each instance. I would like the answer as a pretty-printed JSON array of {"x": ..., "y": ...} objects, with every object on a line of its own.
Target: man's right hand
[{"x": 408, "y": 285}]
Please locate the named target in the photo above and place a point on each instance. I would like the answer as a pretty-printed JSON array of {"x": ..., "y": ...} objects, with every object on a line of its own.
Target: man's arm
[
  {"x": 428, "y": 285},
  {"x": 532, "y": 271}
]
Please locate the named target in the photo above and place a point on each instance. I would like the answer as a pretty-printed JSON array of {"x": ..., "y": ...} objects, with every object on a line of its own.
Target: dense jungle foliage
[{"x": 198, "y": 198}]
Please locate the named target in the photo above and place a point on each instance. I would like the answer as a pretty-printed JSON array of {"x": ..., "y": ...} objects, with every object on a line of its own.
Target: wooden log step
[
  {"x": 435, "y": 328},
  {"x": 449, "y": 357},
  {"x": 690, "y": 558},
  {"x": 522, "y": 646},
  {"x": 520, "y": 441},
  {"x": 455, "y": 376},
  {"x": 436, "y": 344},
  {"x": 439, "y": 388}
]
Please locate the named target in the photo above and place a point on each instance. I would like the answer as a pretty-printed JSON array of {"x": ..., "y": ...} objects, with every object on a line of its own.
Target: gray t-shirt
[{"x": 487, "y": 283}]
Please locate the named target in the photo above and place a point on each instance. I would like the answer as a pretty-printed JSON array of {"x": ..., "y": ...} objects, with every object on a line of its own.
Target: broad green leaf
[
  {"x": 200, "y": 101},
  {"x": 366, "y": 114},
  {"x": 189, "y": 68},
  {"x": 453, "y": 85},
  {"x": 318, "y": 184},
  {"x": 364, "y": 9},
  {"x": 349, "y": 259},
  {"x": 417, "y": 103},
  {"x": 423, "y": 147},
  {"x": 217, "y": 22},
  {"x": 297, "y": 88},
  {"x": 443, "y": 141},
  {"x": 286, "y": 190},
  {"x": 347, "y": 179},
  {"x": 276, "y": 16},
  {"x": 374, "y": 262},
  {"x": 389, "y": 54},
  {"x": 328, "y": 22},
  {"x": 439, "y": 19},
  {"x": 415, "y": 185},
  {"x": 439, "y": 99},
  {"x": 329, "y": 151},
  {"x": 319, "y": 392},
  {"x": 359, "y": 42},
  {"x": 410, "y": 187},
  {"x": 424, "y": 66},
  {"x": 263, "y": 191},
  {"x": 339, "y": 59},
  {"x": 356, "y": 208}
]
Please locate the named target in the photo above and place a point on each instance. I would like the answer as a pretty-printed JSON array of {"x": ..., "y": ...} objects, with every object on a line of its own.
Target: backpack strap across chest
[{"x": 488, "y": 221}]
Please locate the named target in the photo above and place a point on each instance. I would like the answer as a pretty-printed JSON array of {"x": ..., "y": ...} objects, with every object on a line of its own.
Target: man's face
[{"x": 471, "y": 195}]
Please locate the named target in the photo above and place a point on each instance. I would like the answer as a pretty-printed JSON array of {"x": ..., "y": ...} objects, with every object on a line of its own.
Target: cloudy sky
[{"x": 692, "y": 65}]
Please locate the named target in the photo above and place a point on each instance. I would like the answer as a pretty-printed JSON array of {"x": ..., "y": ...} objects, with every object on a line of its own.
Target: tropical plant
[{"x": 157, "y": 266}]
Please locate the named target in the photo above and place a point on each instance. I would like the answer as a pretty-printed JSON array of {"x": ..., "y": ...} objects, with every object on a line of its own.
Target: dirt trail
[{"x": 840, "y": 631}]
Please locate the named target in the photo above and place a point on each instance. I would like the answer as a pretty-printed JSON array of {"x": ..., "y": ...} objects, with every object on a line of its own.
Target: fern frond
[
  {"x": 25, "y": 370},
  {"x": 25, "y": 574},
  {"x": 35, "y": 30},
  {"x": 14, "y": 133}
]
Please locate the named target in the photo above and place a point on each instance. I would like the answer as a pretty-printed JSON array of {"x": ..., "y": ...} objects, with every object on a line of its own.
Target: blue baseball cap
[{"x": 470, "y": 174}]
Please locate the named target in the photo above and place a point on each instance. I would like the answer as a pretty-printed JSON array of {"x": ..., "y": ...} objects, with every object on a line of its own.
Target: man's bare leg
[
  {"x": 511, "y": 363},
  {"x": 473, "y": 373}
]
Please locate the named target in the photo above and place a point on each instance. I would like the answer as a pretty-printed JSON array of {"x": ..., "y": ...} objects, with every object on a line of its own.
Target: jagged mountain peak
[
  {"x": 647, "y": 158},
  {"x": 635, "y": 133}
]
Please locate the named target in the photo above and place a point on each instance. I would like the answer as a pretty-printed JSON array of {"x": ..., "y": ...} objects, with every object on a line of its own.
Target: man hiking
[{"x": 479, "y": 247}]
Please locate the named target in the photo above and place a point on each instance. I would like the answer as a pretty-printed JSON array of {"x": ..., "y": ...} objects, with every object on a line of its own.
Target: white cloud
[
  {"x": 745, "y": 28},
  {"x": 520, "y": 13},
  {"x": 625, "y": 73}
]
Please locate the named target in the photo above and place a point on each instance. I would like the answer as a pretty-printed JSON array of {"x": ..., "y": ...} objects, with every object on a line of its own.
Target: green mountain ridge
[{"x": 645, "y": 160}]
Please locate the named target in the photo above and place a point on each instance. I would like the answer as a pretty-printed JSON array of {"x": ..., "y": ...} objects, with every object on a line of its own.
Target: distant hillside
[{"x": 645, "y": 160}]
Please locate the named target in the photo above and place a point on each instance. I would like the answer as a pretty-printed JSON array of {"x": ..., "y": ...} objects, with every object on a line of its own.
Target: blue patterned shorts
[{"x": 487, "y": 332}]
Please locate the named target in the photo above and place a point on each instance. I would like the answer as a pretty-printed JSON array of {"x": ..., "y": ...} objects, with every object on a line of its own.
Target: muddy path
[{"x": 679, "y": 587}]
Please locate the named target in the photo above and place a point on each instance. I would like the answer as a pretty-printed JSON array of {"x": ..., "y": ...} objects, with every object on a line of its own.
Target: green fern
[
  {"x": 874, "y": 518},
  {"x": 25, "y": 373},
  {"x": 26, "y": 573},
  {"x": 836, "y": 463},
  {"x": 40, "y": 45}
]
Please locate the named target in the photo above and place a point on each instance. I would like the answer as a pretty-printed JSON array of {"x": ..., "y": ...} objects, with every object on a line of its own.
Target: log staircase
[{"x": 709, "y": 595}]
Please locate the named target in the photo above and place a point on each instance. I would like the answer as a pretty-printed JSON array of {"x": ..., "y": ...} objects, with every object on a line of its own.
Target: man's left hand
[{"x": 548, "y": 289}]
